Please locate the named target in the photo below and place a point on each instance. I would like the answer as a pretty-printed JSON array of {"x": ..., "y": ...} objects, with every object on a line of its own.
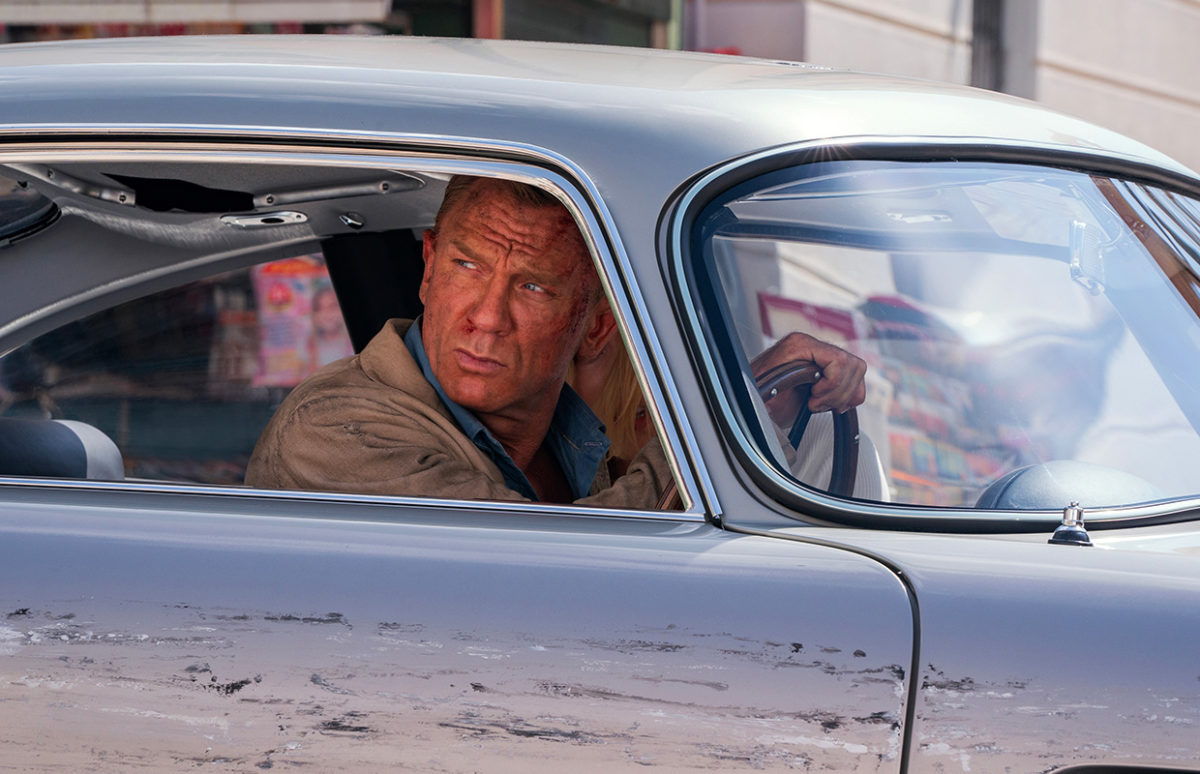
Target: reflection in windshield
[{"x": 1021, "y": 324}]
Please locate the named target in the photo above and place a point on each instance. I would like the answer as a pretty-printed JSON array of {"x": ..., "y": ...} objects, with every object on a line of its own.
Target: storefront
[
  {"x": 620, "y": 22},
  {"x": 58, "y": 19}
]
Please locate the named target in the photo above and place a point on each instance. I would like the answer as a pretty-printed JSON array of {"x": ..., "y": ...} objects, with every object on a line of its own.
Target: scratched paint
[{"x": 211, "y": 689}]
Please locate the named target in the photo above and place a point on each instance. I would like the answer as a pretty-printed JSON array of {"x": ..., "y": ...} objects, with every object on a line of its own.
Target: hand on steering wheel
[
  {"x": 792, "y": 383},
  {"x": 800, "y": 374}
]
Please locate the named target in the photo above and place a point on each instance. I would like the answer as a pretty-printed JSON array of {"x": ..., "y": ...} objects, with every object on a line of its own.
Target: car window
[
  {"x": 1030, "y": 333},
  {"x": 174, "y": 349},
  {"x": 185, "y": 379}
]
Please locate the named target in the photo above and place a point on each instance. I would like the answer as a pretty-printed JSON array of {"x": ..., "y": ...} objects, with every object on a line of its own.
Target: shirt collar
[{"x": 576, "y": 437}]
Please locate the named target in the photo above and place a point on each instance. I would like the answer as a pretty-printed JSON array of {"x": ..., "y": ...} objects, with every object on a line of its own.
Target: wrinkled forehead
[{"x": 539, "y": 230}]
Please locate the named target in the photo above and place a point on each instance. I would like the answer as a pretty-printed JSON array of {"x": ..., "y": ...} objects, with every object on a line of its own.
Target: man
[{"x": 469, "y": 402}]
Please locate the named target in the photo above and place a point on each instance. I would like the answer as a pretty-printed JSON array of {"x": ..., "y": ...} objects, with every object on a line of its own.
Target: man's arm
[
  {"x": 344, "y": 439},
  {"x": 641, "y": 486}
]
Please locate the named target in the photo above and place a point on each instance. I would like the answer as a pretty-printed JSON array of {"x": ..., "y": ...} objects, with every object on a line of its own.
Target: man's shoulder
[
  {"x": 384, "y": 372},
  {"x": 368, "y": 423},
  {"x": 386, "y": 358}
]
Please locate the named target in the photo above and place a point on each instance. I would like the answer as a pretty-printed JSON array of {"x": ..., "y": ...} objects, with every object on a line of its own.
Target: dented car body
[{"x": 1023, "y": 286}]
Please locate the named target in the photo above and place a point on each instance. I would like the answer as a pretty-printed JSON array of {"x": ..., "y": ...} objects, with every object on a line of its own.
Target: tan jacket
[{"x": 372, "y": 424}]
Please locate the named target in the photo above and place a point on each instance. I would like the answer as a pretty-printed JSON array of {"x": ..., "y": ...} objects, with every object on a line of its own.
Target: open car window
[
  {"x": 1031, "y": 333},
  {"x": 189, "y": 299},
  {"x": 183, "y": 380}
]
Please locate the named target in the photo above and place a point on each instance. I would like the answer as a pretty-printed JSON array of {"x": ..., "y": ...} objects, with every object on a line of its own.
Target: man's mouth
[{"x": 476, "y": 364}]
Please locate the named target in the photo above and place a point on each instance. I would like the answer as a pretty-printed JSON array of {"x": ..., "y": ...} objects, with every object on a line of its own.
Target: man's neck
[
  {"x": 526, "y": 445},
  {"x": 521, "y": 438},
  {"x": 547, "y": 478}
]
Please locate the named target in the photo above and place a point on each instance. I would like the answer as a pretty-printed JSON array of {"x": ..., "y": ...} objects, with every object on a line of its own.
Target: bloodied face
[{"x": 510, "y": 296}]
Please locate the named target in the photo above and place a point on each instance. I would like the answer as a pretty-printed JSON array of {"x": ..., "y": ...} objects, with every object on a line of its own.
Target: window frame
[
  {"x": 248, "y": 145},
  {"x": 704, "y": 330}
]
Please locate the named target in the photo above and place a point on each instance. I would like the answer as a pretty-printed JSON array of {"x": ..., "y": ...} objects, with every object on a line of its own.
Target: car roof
[{"x": 662, "y": 116}]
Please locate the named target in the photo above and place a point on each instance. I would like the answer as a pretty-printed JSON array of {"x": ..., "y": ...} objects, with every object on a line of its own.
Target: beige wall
[
  {"x": 919, "y": 38},
  {"x": 1130, "y": 65},
  {"x": 773, "y": 29},
  {"x": 922, "y": 38},
  {"x": 188, "y": 11}
]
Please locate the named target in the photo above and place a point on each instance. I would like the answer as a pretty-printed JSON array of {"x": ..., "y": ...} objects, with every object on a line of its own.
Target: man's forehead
[
  {"x": 490, "y": 196},
  {"x": 527, "y": 228}
]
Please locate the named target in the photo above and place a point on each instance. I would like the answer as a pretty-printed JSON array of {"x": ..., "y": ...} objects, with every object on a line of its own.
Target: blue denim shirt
[{"x": 576, "y": 437}]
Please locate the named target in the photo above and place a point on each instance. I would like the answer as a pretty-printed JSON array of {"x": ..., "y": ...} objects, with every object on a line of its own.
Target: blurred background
[{"x": 1126, "y": 64}]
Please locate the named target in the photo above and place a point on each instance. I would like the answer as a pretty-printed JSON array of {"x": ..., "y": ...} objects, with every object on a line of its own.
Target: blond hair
[{"x": 618, "y": 407}]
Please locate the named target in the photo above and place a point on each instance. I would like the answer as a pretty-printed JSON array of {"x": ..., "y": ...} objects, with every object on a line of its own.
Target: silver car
[{"x": 993, "y": 565}]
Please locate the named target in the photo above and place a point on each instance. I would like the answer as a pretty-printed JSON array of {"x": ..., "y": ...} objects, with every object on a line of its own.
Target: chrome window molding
[
  {"x": 779, "y": 490},
  {"x": 342, "y": 498},
  {"x": 421, "y": 153}
]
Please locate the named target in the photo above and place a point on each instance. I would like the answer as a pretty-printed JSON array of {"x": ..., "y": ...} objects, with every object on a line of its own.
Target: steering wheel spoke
[{"x": 797, "y": 377}]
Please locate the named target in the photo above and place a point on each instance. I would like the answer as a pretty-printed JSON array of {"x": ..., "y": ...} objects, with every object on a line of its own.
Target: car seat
[{"x": 57, "y": 448}]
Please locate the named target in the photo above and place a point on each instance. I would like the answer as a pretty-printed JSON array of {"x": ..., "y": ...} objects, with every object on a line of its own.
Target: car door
[
  {"x": 175, "y": 618},
  {"x": 1028, "y": 322}
]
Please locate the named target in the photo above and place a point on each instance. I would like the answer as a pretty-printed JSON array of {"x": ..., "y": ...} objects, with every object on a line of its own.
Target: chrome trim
[
  {"x": 1072, "y": 531},
  {"x": 424, "y": 153},
  {"x": 74, "y": 185},
  {"x": 398, "y": 184},
  {"x": 887, "y": 515},
  {"x": 265, "y": 219},
  {"x": 346, "y": 498},
  {"x": 35, "y": 134}
]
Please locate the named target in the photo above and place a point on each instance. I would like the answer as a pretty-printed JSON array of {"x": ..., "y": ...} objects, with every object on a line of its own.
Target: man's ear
[
  {"x": 601, "y": 326},
  {"x": 428, "y": 245}
]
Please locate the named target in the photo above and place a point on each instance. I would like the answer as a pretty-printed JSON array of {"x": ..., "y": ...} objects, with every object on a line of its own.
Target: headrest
[{"x": 57, "y": 448}]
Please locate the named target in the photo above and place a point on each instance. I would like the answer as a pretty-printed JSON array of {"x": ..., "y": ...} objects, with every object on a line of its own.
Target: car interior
[
  {"x": 147, "y": 225},
  {"x": 158, "y": 270}
]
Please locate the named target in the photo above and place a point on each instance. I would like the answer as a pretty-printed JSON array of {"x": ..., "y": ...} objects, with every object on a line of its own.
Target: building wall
[
  {"x": 1129, "y": 65},
  {"x": 919, "y": 38},
  {"x": 922, "y": 38},
  {"x": 585, "y": 21},
  {"x": 773, "y": 29}
]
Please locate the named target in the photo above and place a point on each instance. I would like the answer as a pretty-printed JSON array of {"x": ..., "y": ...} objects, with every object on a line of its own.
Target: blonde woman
[{"x": 609, "y": 385}]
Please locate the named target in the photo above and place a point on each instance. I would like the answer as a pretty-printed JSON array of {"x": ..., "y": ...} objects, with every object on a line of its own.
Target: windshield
[{"x": 1030, "y": 333}]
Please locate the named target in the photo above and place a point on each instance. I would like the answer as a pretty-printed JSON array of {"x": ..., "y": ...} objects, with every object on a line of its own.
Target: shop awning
[{"x": 189, "y": 11}]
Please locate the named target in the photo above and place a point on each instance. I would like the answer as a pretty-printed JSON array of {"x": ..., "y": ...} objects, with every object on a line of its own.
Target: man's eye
[
  {"x": 533, "y": 287},
  {"x": 465, "y": 263}
]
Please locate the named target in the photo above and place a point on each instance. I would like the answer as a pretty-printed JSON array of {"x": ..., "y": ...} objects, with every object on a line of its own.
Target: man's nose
[{"x": 490, "y": 311}]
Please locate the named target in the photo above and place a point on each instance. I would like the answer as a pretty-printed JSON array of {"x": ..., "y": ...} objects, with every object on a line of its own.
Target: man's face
[{"x": 507, "y": 291}]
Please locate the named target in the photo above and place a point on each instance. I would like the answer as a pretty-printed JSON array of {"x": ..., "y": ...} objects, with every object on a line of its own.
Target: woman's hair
[{"x": 618, "y": 407}]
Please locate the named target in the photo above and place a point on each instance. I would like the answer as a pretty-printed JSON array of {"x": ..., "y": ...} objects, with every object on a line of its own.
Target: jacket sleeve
[
  {"x": 347, "y": 441},
  {"x": 339, "y": 431},
  {"x": 641, "y": 486}
]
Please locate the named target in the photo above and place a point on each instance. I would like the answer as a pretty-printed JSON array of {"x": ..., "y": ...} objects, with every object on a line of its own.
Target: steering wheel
[{"x": 799, "y": 376}]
